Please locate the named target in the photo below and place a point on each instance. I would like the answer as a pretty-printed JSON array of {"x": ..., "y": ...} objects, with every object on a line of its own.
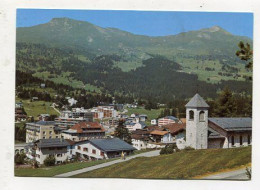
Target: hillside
[
  {"x": 180, "y": 165},
  {"x": 120, "y": 63}
]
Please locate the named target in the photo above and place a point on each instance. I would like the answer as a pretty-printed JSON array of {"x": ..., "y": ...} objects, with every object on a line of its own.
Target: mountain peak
[{"x": 215, "y": 29}]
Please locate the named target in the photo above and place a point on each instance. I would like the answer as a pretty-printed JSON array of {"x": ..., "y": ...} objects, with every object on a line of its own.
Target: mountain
[
  {"x": 65, "y": 32},
  {"x": 117, "y": 62}
]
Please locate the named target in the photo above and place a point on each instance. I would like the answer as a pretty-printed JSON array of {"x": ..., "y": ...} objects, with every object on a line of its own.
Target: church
[{"x": 203, "y": 132}]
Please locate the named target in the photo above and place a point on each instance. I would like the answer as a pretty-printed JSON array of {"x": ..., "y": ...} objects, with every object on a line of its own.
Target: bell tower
[{"x": 197, "y": 123}]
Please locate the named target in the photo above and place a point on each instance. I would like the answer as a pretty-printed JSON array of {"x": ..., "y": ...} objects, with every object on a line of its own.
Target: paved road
[
  {"x": 232, "y": 175},
  {"x": 72, "y": 173}
]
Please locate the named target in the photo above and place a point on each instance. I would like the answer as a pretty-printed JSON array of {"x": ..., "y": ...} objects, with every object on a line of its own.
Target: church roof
[
  {"x": 233, "y": 124},
  {"x": 197, "y": 102}
]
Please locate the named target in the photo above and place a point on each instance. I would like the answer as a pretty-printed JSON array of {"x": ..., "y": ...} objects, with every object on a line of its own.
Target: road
[
  {"x": 72, "y": 173},
  {"x": 239, "y": 174}
]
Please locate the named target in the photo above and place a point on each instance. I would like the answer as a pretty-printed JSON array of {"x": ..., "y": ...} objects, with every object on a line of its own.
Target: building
[
  {"x": 20, "y": 115},
  {"x": 167, "y": 120},
  {"x": 44, "y": 117},
  {"x": 72, "y": 101},
  {"x": 84, "y": 131},
  {"x": 96, "y": 149},
  {"x": 42, "y": 148},
  {"x": 42, "y": 130},
  {"x": 101, "y": 112},
  {"x": 132, "y": 126},
  {"x": 153, "y": 122},
  {"x": 203, "y": 132},
  {"x": 140, "y": 139},
  {"x": 162, "y": 136},
  {"x": 68, "y": 118}
]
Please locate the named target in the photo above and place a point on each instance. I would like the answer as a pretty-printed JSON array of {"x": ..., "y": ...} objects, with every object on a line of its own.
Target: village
[{"x": 93, "y": 134}]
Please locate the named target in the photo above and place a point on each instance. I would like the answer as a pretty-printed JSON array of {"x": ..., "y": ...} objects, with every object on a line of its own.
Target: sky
[{"x": 151, "y": 23}]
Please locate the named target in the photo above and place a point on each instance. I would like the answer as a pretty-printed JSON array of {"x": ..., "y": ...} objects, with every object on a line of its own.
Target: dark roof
[
  {"x": 46, "y": 143},
  {"x": 197, "y": 102},
  {"x": 233, "y": 124},
  {"x": 111, "y": 144},
  {"x": 46, "y": 122}
]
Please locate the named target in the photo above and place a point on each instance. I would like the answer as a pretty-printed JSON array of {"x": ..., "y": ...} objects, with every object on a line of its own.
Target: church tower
[{"x": 197, "y": 123}]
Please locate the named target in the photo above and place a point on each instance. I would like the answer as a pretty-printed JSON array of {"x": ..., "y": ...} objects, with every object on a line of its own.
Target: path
[
  {"x": 239, "y": 174},
  {"x": 72, "y": 173}
]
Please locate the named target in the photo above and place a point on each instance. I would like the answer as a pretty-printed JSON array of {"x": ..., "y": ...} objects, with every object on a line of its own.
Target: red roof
[
  {"x": 87, "y": 125},
  {"x": 174, "y": 128}
]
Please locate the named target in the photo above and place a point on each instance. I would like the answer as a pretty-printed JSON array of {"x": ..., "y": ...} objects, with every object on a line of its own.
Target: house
[
  {"x": 44, "y": 117},
  {"x": 42, "y": 85},
  {"x": 42, "y": 130},
  {"x": 72, "y": 101},
  {"x": 178, "y": 134},
  {"x": 18, "y": 105},
  {"x": 132, "y": 126},
  {"x": 83, "y": 131},
  {"x": 167, "y": 120},
  {"x": 162, "y": 136},
  {"x": 96, "y": 149},
  {"x": 140, "y": 139},
  {"x": 35, "y": 98},
  {"x": 153, "y": 122},
  {"x": 42, "y": 148},
  {"x": 203, "y": 132},
  {"x": 20, "y": 115}
]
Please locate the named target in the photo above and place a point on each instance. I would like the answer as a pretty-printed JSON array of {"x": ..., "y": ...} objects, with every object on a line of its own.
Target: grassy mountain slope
[
  {"x": 86, "y": 56},
  {"x": 180, "y": 165}
]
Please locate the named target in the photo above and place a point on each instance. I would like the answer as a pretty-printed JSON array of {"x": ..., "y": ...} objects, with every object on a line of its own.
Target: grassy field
[
  {"x": 180, "y": 165},
  {"x": 37, "y": 107},
  {"x": 55, "y": 170},
  {"x": 151, "y": 114}
]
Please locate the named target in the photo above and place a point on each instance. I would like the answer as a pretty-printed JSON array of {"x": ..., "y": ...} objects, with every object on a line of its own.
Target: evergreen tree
[{"x": 123, "y": 133}]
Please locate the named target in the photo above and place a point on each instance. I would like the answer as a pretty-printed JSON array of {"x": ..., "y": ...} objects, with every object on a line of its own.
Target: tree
[
  {"x": 123, "y": 133},
  {"x": 19, "y": 158},
  {"x": 225, "y": 105},
  {"x": 246, "y": 54},
  {"x": 49, "y": 161}
]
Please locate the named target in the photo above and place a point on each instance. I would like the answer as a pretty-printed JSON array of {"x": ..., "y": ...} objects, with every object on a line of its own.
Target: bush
[
  {"x": 169, "y": 149},
  {"x": 19, "y": 158},
  {"x": 49, "y": 161}
]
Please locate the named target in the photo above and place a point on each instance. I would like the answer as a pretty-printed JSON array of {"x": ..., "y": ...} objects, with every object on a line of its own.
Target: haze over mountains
[{"x": 118, "y": 61}]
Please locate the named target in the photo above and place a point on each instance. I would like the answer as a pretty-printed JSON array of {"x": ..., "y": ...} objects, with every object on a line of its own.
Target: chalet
[
  {"x": 96, "y": 149},
  {"x": 84, "y": 131},
  {"x": 42, "y": 148},
  {"x": 44, "y": 117},
  {"x": 132, "y": 126}
]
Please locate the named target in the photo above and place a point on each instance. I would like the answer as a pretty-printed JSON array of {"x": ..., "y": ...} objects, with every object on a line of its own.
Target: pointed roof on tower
[{"x": 197, "y": 102}]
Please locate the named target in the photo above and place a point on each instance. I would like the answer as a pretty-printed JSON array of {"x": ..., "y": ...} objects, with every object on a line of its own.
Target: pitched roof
[
  {"x": 197, "y": 102},
  {"x": 111, "y": 144},
  {"x": 233, "y": 124},
  {"x": 161, "y": 133},
  {"x": 46, "y": 143},
  {"x": 174, "y": 128},
  {"x": 140, "y": 137},
  {"x": 153, "y": 127},
  {"x": 214, "y": 134},
  {"x": 79, "y": 127}
]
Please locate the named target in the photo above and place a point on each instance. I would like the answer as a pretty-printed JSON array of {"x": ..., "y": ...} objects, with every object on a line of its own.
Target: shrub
[
  {"x": 49, "y": 161},
  {"x": 248, "y": 172},
  {"x": 19, "y": 158},
  {"x": 169, "y": 149}
]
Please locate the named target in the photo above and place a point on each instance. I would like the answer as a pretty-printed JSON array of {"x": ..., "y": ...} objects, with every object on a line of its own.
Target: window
[
  {"x": 85, "y": 149},
  {"x": 43, "y": 137},
  {"x": 50, "y": 132},
  {"x": 43, "y": 132},
  {"x": 102, "y": 153},
  {"x": 248, "y": 139},
  {"x": 57, "y": 137},
  {"x": 202, "y": 116},
  {"x": 191, "y": 115},
  {"x": 50, "y": 137},
  {"x": 79, "y": 148},
  {"x": 59, "y": 155},
  {"x": 93, "y": 151},
  {"x": 241, "y": 140},
  {"x": 232, "y": 140}
]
